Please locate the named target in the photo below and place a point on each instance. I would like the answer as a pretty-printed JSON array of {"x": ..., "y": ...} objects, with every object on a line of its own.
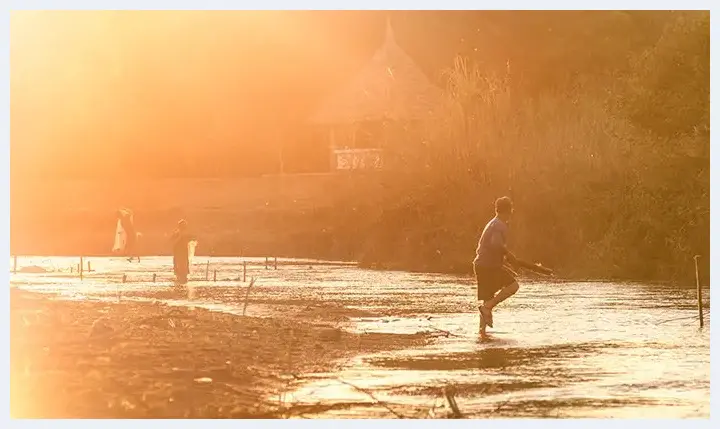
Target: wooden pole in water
[
  {"x": 124, "y": 278},
  {"x": 81, "y": 267},
  {"x": 247, "y": 294},
  {"x": 15, "y": 264},
  {"x": 244, "y": 270},
  {"x": 89, "y": 268},
  {"x": 266, "y": 262},
  {"x": 214, "y": 275},
  {"x": 207, "y": 270},
  {"x": 699, "y": 291},
  {"x": 276, "y": 262},
  {"x": 154, "y": 277}
]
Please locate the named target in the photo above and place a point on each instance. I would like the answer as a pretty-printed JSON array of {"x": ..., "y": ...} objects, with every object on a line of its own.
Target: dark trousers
[{"x": 181, "y": 267}]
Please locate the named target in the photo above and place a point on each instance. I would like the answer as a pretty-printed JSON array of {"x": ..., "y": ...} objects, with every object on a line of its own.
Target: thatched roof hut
[{"x": 390, "y": 87}]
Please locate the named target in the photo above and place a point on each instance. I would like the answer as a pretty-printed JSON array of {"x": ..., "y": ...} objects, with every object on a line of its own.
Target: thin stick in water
[
  {"x": 450, "y": 397},
  {"x": 373, "y": 397},
  {"x": 699, "y": 291},
  {"x": 247, "y": 293}
]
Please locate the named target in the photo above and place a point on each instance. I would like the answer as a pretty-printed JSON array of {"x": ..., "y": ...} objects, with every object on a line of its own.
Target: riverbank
[
  {"x": 99, "y": 359},
  {"x": 347, "y": 218}
]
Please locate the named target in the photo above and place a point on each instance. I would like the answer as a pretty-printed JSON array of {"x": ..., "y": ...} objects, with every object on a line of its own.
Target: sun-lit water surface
[{"x": 561, "y": 349}]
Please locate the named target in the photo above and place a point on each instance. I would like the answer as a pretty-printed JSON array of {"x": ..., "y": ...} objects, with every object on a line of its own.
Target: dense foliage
[{"x": 609, "y": 170}]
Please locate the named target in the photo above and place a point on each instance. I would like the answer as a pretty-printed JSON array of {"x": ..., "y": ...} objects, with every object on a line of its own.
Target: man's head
[{"x": 503, "y": 207}]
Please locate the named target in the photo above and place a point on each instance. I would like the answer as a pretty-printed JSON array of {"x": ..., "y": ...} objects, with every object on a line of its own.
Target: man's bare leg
[
  {"x": 483, "y": 326},
  {"x": 502, "y": 295},
  {"x": 487, "y": 306}
]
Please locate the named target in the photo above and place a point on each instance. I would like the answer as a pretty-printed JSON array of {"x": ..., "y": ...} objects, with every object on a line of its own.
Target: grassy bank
[
  {"x": 610, "y": 174},
  {"x": 433, "y": 227}
]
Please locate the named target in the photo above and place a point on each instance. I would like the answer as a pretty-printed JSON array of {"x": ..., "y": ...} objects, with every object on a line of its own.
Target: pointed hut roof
[{"x": 391, "y": 86}]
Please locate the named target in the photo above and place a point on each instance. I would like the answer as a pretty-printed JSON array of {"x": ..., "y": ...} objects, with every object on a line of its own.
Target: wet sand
[{"x": 92, "y": 359}]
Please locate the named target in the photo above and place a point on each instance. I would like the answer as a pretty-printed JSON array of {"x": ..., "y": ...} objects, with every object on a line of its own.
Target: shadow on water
[{"x": 489, "y": 358}]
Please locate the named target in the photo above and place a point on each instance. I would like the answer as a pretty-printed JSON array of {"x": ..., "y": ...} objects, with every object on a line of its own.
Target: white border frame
[{"x": 323, "y": 4}]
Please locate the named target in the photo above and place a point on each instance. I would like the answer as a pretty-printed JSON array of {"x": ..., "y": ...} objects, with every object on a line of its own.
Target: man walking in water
[{"x": 495, "y": 283}]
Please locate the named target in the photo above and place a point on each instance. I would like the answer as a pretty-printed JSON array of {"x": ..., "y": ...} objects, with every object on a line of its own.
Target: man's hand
[
  {"x": 536, "y": 267},
  {"x": 545, "y": 270}
]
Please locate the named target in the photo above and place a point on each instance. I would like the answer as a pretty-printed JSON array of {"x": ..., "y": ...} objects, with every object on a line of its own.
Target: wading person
[
  {"x": 181, "y": 252},
  {"x": 126, "y": 236},
  {"x": 495, "y": 282}
]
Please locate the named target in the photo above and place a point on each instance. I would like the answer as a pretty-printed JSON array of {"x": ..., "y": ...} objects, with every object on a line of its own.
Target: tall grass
[{"x": 595, "y": 195}]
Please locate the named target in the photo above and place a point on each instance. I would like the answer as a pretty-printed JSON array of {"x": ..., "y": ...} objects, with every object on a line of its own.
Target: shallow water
[{"x": 560, "y": 349}]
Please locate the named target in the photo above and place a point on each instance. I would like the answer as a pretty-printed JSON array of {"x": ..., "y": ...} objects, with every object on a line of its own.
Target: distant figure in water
[
  {"x": 127, "y": 225},
  {"x": 181, "y": 252},
  {"x": 495, "y": 282}
]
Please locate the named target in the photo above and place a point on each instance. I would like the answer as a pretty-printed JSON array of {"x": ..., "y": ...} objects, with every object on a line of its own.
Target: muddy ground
[{"x": 92, "y": 359}]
